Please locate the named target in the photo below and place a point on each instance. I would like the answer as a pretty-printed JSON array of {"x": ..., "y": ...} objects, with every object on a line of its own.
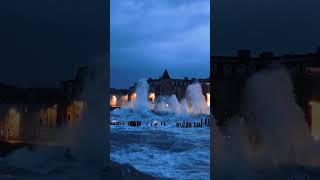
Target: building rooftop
[
  {"x": 166, "y": 75},
  {"x": 266, "y": 57}
]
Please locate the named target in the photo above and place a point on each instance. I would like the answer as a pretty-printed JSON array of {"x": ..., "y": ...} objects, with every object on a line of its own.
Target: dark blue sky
[
  {"x": 148, "y": 36},
  {"x": 43, "y": 42},
  {"x": 282, "y": 26}
]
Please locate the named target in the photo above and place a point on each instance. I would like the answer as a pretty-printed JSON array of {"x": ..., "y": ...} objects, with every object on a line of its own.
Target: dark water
[
  {"x": 52, "y": 163},
  {"x": 162, "y": 151}
]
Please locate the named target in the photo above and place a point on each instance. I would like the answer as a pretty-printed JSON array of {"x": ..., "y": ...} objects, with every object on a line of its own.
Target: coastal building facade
[
  {"x": 159, "y": 87},
  {"x": 31, "y": 113}
]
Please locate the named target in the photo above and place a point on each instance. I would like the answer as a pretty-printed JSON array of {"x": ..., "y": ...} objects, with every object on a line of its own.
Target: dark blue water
[{"x": 162, "y": 151}]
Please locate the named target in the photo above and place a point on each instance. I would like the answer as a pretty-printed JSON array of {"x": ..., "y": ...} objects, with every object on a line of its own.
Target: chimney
[{"x": 244, "y": 53}]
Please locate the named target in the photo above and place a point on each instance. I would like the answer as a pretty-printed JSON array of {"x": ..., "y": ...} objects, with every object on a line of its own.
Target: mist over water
[{"x": 270, "y": 137}]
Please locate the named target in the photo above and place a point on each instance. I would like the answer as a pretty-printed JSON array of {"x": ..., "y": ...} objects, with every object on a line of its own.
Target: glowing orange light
[
  {"x": 208, "y": 99},
  {"x": 79, "y": 107},
  {"x": 125, "y": 98},
  {"x": 12, "y": 123},
  {"x": 113, "y": 102},
  {"x": 152, "y": 96},
  {"x": 12, "y": 111},
  {"x": 315, "y": 120},
  {"x": 133, "y": 96}
]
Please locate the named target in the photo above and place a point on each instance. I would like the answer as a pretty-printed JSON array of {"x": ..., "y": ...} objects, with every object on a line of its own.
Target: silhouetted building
[{"x": 230, "y": 73}]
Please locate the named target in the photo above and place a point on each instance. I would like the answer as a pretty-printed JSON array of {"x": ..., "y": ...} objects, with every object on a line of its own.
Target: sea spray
[
  {"x": 91, "y": 133},
  {"x": 229, "y": 153},
  {"x": 184, "y": 109},
  {"x": 274, "y": 118},
  {"x": 194, "y": 102},
  {"x": 196, "y": 99},
  {"x": 141, "y": 102},
  {"x": 269, "y": 135}
]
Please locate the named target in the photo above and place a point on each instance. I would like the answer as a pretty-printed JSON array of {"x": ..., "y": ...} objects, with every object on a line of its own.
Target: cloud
[{"x": 157, "y": 35}]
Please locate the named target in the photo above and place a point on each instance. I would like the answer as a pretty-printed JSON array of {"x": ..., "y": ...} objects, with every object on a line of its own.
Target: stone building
[
  {"x": 163, "y": 86},
  {"x": 229, "y": 75},
  {"x": 27, "y": 114},
  {"x": 166, "y": 86}
]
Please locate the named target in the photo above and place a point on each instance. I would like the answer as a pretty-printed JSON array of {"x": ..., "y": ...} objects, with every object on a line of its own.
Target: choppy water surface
[{"x": 162, "y": 151}]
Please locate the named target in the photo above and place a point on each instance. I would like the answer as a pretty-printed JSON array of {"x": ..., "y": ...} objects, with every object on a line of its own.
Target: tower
[{"x": 166, "y": 88}]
